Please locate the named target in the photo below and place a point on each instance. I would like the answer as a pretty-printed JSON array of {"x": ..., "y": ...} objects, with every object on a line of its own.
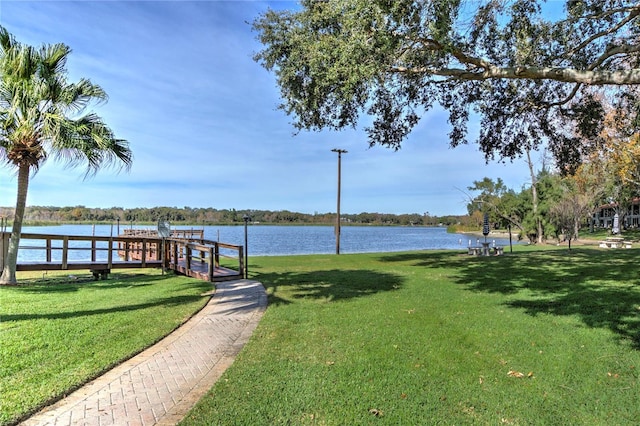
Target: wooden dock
[
  {"x": 204, "y": 259},
  {"x": 186, "y": 254}
]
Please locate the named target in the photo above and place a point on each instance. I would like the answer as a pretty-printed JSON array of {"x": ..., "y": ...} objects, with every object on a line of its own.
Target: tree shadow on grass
[
  {"x": 601, "y": 287},
  {"x": 165, "y": 302},
  {"x": 69, "y": 284},
  {"x": 330, "y": 285},
  {"x": 168, "y": 301}
]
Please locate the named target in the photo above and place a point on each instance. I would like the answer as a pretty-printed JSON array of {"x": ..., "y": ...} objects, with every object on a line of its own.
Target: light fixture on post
[{"x": 337, "y": 231}]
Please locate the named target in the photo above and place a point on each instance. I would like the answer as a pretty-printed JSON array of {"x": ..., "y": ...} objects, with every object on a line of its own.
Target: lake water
[{"x": 267, "y": 240}]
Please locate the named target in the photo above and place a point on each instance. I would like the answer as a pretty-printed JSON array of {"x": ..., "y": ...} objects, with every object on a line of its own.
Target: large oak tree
[{"x": 533, "y": 72}]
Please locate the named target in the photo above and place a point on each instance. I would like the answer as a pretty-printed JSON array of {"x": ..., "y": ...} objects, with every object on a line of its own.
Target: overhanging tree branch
[
  {"x": 401, "y": 57},
  {"x": 633, "y": 12},
  {"x": 565, "y": 75}
]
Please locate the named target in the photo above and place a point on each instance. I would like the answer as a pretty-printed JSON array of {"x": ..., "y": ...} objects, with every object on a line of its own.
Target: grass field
[
  {"x": 540, "y": 336},
  {"x": 58, "y": 331},
  {"x": 535, "y": 337}
]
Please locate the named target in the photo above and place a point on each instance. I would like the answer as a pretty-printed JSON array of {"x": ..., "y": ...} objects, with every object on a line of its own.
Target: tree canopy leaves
[{"x": 532, "y": 73}]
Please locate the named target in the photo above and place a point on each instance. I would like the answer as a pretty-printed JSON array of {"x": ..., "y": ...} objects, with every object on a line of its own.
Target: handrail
[
  {"x": 190, "y": 234},
  {"x": 132, "y": 251},
  {"x": 198, "y": 257},
  {"x": 56, "y": 249}
]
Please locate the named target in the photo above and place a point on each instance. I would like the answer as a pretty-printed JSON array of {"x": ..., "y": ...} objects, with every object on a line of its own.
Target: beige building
[{"x": 603, "y": 218}]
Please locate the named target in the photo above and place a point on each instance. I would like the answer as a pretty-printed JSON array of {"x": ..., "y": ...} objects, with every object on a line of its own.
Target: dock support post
[
  {"x": 175, "y": 254},
  {"x": 110, "y": 253},
  {"x": 48, "y": 249},
  {"x": 4, "y": 248},
  {"x": 143, "y": 255},
  {"x": 212, "y": 263},
  {"x": 65, "y": 252},
  {"x": 93, "y": 250},
  {"x": 187, "y": 255},
  {"x": 241, "y": 265}
]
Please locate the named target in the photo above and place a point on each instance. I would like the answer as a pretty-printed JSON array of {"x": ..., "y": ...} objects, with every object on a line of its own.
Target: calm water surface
[{"x": 266, "y": 240}]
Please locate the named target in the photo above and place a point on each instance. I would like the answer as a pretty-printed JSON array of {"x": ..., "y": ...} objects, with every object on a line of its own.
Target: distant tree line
[{"x": 212, "y": 216}]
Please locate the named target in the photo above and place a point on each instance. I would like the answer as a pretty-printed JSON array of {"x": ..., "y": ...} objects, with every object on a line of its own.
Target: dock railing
[
  {"x": 200, "y": 258},
  {"x": 190, "y": 234},
  {"x": 97, "y": 253},
  {"x": 205, "y": 259}
]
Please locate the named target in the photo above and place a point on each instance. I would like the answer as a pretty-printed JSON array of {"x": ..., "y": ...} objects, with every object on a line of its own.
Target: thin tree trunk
[
  {"x": 9, "y": 271},
  {"x": 534, "y": 197}
]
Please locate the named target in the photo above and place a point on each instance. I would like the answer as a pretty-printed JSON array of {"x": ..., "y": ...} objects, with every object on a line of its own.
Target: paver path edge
[{"x": 162, "y": 383}]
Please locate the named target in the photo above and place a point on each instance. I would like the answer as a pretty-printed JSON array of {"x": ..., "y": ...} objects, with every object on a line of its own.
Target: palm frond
[
  {"x": 89, "y": 140},
  {"x": 38, "y": 108}
]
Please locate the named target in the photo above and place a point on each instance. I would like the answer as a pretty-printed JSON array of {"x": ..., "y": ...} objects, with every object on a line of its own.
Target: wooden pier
[{"x": 187, "y": 253}]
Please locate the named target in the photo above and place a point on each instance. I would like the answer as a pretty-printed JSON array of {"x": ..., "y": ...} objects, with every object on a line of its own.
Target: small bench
[
  {"x": 100, "y": 274},
  {"x": 498, "y": 250}
]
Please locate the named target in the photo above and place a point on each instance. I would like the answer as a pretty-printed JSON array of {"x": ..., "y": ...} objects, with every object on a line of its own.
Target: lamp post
[
  {"x": 246, "y": 219},
  {"x": 340, "y": 152}
]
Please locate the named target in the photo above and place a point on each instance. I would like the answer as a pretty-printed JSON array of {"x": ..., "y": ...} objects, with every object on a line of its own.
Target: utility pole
[{"x": 340, "y": 152}]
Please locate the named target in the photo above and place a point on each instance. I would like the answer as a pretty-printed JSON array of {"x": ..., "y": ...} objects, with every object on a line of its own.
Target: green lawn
[
  {"x": 57, "y": 331},
  {"x": 533, "y": 337}
]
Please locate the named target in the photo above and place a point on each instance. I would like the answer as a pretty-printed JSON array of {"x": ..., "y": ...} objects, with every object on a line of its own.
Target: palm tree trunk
[{"x": 9, "y": 271}]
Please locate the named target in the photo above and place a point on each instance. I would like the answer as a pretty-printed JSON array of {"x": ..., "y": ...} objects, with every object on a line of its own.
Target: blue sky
[{"x": 202, "y": 121}]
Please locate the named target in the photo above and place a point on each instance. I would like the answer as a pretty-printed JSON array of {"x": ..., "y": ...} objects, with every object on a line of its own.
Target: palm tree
[{"x": 42, "y": 115}]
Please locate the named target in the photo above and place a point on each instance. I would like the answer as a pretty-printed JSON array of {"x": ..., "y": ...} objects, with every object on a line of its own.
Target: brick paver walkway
[{"x": 159, "y": 386}]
